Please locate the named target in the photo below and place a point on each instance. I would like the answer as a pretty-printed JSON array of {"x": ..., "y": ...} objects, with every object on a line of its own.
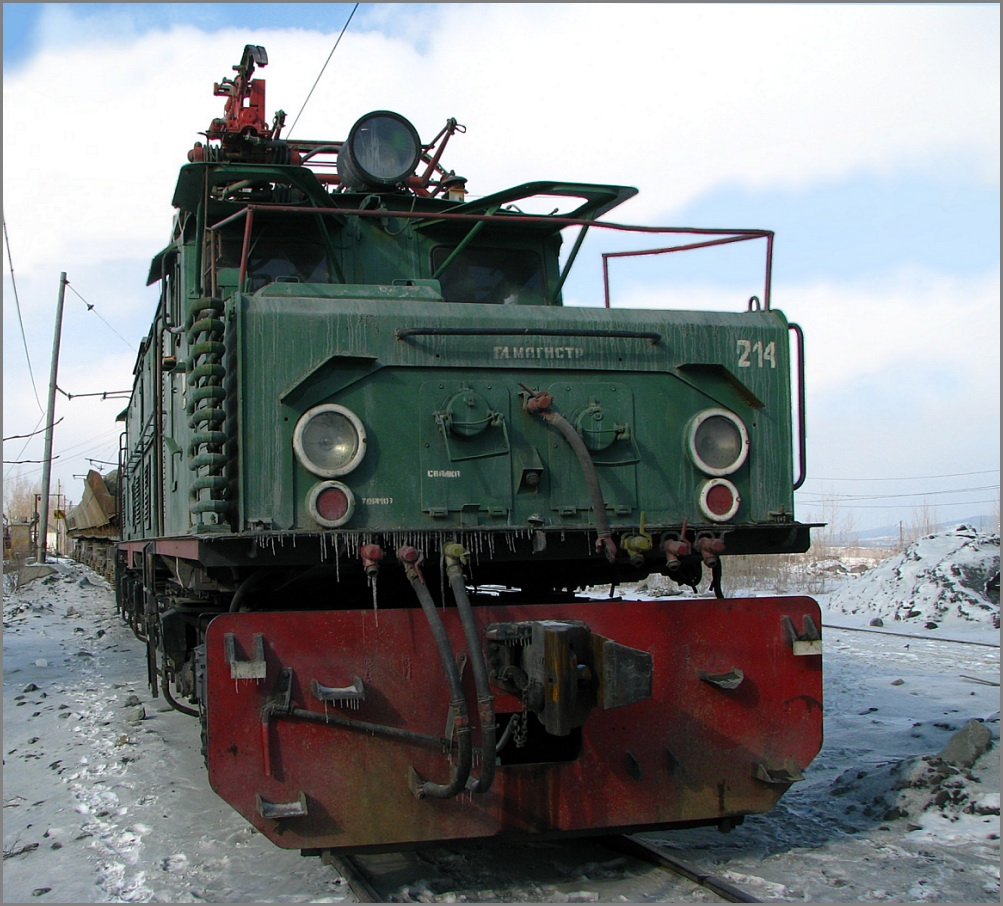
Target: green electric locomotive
[{"x": 372, "y": 467}]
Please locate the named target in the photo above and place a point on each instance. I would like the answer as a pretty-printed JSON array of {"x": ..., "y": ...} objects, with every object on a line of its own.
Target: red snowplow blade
[{"x": 734, "y": 716}]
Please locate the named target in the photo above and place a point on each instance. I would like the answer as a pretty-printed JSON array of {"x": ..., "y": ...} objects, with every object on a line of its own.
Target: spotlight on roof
[{"x": 381, "y": 152}]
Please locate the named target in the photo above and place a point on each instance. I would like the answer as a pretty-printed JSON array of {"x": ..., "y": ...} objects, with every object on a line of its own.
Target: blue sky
[{"x": 865, "y": 136}]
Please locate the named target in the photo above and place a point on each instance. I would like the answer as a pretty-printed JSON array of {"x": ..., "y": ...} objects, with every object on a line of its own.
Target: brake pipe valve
[
  {"x": 709, "y": 547},
  {"x": 412, "y": 560},
  {"x": 454, "y": 552},
  {"x": 637, "y": 545},
  {"x": 674, "y": 548},
  {"x": 371, "y": 555}
]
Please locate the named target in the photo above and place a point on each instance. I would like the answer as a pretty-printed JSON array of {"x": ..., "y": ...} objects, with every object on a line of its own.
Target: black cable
[
  {"x": 93, "y": 309},
  {"x": 328, "y": 60},
  {"x": 17, "y": 304}
]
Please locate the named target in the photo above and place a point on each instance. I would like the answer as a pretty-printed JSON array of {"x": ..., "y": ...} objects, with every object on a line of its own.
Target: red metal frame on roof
[{"x": 726, "y": 236}]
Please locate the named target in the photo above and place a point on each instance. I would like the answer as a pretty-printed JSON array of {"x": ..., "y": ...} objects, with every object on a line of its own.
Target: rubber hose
[
  {"x": 485, "y": 700},
  {"x": 457, "y": 703}
]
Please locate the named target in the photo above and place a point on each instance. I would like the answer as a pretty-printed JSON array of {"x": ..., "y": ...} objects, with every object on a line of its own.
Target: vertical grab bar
[{"x": 802, "y": 445}]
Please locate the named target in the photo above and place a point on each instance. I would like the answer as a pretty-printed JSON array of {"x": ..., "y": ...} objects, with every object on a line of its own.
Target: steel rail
[
  {"x": 639, "y": 849},
  {"x": 355, "y": 876},
  {"x": 907, "y": 635}
]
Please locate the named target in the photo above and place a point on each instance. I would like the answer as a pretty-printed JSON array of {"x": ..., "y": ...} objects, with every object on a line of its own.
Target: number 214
[{"x": 750, "y": 353}]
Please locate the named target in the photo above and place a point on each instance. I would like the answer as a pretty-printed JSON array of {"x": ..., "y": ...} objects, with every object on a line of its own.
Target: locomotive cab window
[
  {"x": 278, "y": 253},
  {"x": 498, "y": 276}
]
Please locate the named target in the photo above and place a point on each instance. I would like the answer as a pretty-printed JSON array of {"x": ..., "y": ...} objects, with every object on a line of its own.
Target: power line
[
  {"x": 17, "y": 304},
  {"x": 32, "y": 434},
  {"x": 904, "y": 506},
  {"x": 917, "y": 478},
  {"x": 322, "y": 68},
  {"x": 841, "y": 497},
  {"x": 93, "y": 309}
]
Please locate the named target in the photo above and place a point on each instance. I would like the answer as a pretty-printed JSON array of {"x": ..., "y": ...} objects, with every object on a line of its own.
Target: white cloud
[
  {"x": 924, "y": 328},
  {"x": 675, "y": 99}
]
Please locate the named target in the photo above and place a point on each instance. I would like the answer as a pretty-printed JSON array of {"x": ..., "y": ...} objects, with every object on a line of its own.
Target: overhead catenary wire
[
  {"x": 922, "y": 478},
  {"x": 821, "y": 498},
  {"x": 321, "y": 73},
  {"x": 33, "y": 433},
  {"x": 92, "y": 308},
  {"x": 905, "y": 506},
  {"x": 104, "y": 394},
  {"x": 20, "y": 321}
]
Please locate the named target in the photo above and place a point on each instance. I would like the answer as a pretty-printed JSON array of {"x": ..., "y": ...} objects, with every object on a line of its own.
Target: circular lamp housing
[
  {"x": 717, "y": 441},
  {"x": 719, "y": 500},
  {"x": 329, "y": 440},
  {"x": 382, "y": 151},
  {"x": 331, "y": 503}
]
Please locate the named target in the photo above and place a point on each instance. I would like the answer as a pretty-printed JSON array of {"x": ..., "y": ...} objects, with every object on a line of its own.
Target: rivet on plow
[
  {"x": 255, "y": 668},
  {"x": 789, "y": 773},
  {"x": 728, "y": 681},
  {"x": 339, "y": 694},
  {"x": 295, "y": 809}
]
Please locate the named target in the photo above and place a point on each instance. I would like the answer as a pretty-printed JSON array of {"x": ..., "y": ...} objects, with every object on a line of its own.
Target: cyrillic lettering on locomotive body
[{"x": 568, "y": 353}]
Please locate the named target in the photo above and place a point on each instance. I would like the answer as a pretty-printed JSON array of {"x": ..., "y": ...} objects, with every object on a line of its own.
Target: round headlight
[
  {"x": 331, "y": 503},
  {"x": 329, "y": 440},
  {"x": 382, "y": 149},
  {"x": 719, "y": 500},
  {"x": 718, "y": 441}
]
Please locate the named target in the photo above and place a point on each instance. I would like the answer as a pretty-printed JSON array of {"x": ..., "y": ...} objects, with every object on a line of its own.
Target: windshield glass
[
  {"x": 491, "y": 275},
  {"x": 277, "y": 254}
]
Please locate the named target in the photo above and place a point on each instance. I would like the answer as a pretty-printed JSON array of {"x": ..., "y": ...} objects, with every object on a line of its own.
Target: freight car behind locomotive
[
  {"x": 370, "y": 462},
  {"x": 92, "y": 525}
]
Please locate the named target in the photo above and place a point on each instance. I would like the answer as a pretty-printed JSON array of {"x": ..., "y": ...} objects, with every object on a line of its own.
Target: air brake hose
[
  {"x": 457, "y": 703},
  {"x": 539, "y": 403},
  {"x": 455, "y": 557}
]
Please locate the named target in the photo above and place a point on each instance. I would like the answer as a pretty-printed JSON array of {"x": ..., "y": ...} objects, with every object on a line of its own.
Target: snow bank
[
  {"x": 927, "y": 790},
  {"x": 942, "y": 578}
]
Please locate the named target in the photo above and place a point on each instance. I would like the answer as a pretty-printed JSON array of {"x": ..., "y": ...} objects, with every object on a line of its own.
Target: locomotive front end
[{"x": 376, "y": 521}]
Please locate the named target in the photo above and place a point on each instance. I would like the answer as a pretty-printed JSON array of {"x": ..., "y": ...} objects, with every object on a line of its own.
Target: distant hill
[{"x": 890, "y": 536}]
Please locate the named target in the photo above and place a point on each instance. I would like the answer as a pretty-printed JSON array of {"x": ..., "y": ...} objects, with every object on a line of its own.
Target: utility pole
[{"x": 43, "y": 525}]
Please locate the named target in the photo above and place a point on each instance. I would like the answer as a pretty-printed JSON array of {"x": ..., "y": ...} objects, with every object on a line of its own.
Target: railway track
[
  {"x": 618, "y": 865},
  {"x": 908, "y": 635}
]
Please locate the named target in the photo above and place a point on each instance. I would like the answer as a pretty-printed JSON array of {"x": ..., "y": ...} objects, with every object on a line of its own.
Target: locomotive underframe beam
[{"x": 298, "y": 548}]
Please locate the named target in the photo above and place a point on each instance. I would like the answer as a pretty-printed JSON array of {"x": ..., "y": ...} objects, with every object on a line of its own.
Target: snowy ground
[{"x": 105, "y": 798}]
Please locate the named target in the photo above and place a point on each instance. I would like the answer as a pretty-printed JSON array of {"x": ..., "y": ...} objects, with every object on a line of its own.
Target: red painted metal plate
[{"x": 690, "y": 752}]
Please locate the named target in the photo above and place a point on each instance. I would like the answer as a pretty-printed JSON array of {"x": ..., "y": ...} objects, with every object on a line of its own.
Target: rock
[
  {"x": 132, "y": 701},
  {"x": 898, "y": 682},
  {"x": 965, "y": 746},
  {"x": 877, "y": 621},
  {"x": 31, "y": 687},
  {"x": 930, "y": 625},
  {"x": 136, "y": 715}
]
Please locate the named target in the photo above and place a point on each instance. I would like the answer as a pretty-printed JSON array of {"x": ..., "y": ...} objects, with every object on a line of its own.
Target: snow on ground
[
  {"x": 106, "y": 800},
  {"x": 105, "y": 796}
]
